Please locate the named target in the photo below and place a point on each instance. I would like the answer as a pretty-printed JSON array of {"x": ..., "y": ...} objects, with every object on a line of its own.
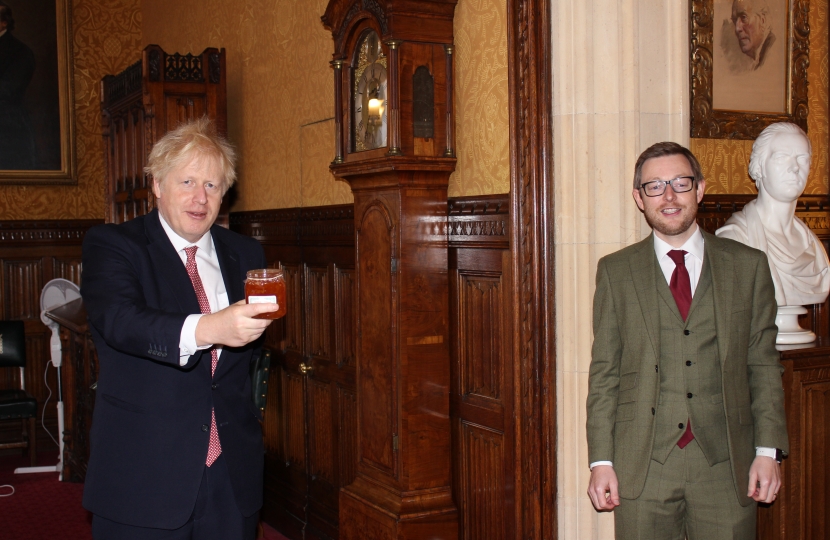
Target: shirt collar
[
  {"x": 693, "y": 246},
  {"x": 205, "y": 243}
]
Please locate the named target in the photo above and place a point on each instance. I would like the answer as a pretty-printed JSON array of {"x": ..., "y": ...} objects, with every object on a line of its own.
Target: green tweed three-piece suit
[{"x": 651, "y": 371}]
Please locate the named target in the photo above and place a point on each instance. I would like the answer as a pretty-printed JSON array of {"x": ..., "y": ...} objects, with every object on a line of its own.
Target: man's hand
[
  {"x": 603, "y": 488},
  {"x": 233, "y": 326},
  {"x": 764, "y": 479}
]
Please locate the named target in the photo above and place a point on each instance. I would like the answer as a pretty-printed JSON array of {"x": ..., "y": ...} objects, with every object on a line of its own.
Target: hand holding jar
[{"x": 266, "y": 285}]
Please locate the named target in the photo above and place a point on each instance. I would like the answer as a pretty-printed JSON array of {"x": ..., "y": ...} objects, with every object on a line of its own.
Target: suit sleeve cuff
[{"x": 187, "y": 339}]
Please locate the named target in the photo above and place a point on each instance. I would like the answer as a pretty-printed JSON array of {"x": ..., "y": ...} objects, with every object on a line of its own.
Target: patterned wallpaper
[
  {"x": 281, "y": 93},
  {"x": 481, "y": 101},
  {"x": 725, "y": 162},
  {"x": 106, "y": 39}
]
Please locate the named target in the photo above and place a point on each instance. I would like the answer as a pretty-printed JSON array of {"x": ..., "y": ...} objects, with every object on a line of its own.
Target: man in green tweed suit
[{"x": 686, "y": 423}]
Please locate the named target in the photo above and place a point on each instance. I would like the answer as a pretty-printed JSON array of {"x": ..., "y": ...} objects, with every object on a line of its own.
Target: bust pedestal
[{"x": 789, "y": 331}]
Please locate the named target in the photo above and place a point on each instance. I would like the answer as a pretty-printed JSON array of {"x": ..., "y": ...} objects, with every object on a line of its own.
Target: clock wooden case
[{"x": 394, "y": 146}]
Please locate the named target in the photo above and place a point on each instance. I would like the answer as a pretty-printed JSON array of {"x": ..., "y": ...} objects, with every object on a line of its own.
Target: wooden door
[{"x": 310, "y": 419}]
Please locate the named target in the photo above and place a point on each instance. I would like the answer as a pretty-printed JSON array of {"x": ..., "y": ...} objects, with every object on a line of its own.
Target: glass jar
[{"x": 266, "y": 285}]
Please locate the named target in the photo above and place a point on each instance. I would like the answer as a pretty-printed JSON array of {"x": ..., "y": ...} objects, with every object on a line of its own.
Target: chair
[
  {"x": 17, "y": 404},
  {"x": 259, "y": 379}
]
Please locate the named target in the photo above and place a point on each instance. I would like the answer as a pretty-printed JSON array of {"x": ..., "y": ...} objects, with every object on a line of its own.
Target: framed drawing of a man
[
  {"x": 36, "y": 102},
  {"x": 748, "y": 65}
]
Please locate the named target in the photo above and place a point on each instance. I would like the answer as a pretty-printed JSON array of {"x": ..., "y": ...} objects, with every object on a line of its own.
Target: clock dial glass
[{"x": 369, "y": 98}]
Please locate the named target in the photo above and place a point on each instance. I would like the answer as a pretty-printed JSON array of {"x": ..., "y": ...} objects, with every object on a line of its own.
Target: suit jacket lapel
[
  {"x": 231, "y": 272},
  {"x": 643, "y": 266},
  {"x": 171, "y": 271},
  {"x": 721, "y": 264}
]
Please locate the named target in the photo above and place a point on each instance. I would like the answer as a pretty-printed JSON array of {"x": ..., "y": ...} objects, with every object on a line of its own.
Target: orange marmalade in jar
[{"x": 266, "y": 286}]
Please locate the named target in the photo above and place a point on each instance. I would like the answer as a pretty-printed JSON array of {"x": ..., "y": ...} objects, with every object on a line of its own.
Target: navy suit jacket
[{"x": 150, "y": 426}]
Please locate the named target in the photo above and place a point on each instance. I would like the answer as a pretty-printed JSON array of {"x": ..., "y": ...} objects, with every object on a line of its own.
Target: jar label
[{"x": 262, "y": 299}]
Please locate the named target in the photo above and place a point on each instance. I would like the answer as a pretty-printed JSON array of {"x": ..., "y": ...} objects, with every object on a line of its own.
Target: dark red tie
[
  {"x": 681, "y": 289},
  {"x": 214, "y": 447}
]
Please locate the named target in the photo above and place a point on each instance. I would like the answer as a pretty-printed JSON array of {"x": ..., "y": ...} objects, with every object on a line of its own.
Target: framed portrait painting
[
  {"x": 37, "y": 130},
  {"x": 748, "y": 66}
]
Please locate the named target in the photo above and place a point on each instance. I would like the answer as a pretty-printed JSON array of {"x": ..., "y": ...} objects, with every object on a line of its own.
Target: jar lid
[{"x": 265, "y": 273}]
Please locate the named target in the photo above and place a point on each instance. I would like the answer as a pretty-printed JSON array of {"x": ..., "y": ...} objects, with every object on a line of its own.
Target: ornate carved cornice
[
  {"x": 126, "y": 83},
  {"x": 20, "y": 233}
]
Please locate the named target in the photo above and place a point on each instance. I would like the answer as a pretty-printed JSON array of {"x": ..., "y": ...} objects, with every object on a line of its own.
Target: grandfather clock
[{"x": 394, "y": 146}]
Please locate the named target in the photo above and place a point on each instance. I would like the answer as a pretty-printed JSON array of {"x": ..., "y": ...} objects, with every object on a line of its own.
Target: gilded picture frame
[
  {"x": 748, "y": 64},
  {"x": 37, "y": 127}
]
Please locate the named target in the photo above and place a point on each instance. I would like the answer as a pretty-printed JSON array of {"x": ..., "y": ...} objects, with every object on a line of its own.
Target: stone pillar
[{"x": 620, "y": 83}]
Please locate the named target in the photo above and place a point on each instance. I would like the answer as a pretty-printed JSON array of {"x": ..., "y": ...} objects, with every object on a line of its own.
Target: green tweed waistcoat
[{"x": 690, "y": 374}]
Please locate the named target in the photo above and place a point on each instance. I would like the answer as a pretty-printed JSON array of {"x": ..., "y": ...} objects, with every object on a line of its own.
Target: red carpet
[{"x": 42, "y": 508}]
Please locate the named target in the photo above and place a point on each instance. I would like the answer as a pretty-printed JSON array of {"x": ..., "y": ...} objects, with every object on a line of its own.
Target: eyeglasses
[{"x": 681, "y": 184}]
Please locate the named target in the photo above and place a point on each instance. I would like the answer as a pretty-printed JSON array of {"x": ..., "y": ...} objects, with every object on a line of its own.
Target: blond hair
[{"x": 194, "y": 138}]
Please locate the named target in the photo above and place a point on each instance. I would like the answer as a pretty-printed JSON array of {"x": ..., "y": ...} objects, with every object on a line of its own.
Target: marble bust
[{"x": 779, "y": 165}]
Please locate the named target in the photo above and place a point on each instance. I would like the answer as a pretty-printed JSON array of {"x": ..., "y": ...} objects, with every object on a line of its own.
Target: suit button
[
  {"x": 686, "y": 332},
  {"x": 652, "y": 411},
  {"x": 688, "y": 362},
  {"x": 205, "y": 427},
  {"x": 214, "y": 385},
  {"x": 680, "y": 426},
  {"x": 689, "y": 395},
  {"x": 656, "y": 369}
]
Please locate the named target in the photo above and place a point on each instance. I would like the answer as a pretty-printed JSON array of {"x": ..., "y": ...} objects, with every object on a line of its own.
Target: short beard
[{"x": 669, "y": 231}]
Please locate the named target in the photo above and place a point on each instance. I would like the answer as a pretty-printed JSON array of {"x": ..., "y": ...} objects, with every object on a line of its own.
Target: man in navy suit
[{"x": 176, "y": 444}]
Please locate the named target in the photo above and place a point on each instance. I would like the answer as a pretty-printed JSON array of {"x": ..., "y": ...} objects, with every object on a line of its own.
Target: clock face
[{"x": 369, "y": 97}]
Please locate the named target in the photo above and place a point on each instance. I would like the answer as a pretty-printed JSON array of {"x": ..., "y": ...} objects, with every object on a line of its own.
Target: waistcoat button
[
  {"x": 689, "y": 395},
  {"x": 680, "y": 426}
]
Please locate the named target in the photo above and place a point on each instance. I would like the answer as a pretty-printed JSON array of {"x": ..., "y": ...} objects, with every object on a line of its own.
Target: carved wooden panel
[
  {"x": 321, "y": 455},
  {"x": 481, "y": 334},
  {"x": 816, "y": 440},
  {"x": 67, "y": 269},
  {"x": 345, "y": 319},
  {"x": 22, "y": 286},
  {"x": 294, "y": 404},
  {"x": 804, "y": 501},
  {"x": 482, "y": 389},
  {"x": 483, "y": 484},
  {"x": 273, "y": 425},
  {"x": 293, "y": 320},
  {"x": 347, "y": 456},
  {"x": 318, "y": 312},
  {"x": 377, "y": 369}
]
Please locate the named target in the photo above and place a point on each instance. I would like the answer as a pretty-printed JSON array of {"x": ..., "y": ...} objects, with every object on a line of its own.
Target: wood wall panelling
[
  {"x": 481, "y": 375},
  {"x": 312, "y": 453},
  {"x": 316, "y": 247},
  {"x": 31, "y": 254}
]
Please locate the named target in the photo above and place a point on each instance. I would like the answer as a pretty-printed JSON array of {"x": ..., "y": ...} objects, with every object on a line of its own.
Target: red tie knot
[{"x": 678, "y": 256}]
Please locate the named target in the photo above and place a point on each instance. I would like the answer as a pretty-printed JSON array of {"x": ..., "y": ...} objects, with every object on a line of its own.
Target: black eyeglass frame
[{"x": 669, "y": 183}]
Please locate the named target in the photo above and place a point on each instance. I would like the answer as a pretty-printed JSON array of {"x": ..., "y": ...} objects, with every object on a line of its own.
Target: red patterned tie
[
  {"x": 681, "y": 289},
  {"x": 215, "y": 447}
]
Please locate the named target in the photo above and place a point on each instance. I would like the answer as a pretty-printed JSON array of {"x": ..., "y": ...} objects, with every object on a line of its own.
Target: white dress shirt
[
  {"x": 694, "y": 264},
  {"x": 207, "y": 263}
]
